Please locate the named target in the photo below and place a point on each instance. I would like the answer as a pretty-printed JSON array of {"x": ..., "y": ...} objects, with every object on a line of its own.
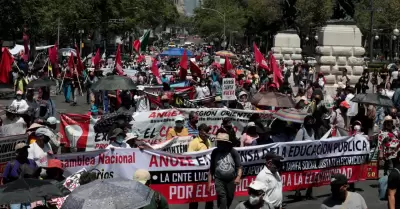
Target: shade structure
[
  {"x": 373, "y": 99},
  {"x": 293, "y": 115},
  {"x": 114, "y": 82},
  {"x": 115, "y": 193},
  {"x": 176, "y": 52},
  {"x": 272, "y": 99}
]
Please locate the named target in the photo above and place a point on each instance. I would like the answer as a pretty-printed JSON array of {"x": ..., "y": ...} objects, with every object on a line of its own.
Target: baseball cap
[
  {"x": 338, "y": 179},
  {"x": 257, "y": 185},
  {"x": 20, "y": 146},
  {"x": 116, "y": 132},
  {"x": 141, "y": 175},
  {"x": 272, "y": 156},
  {"x": 44, "y": 131},
  {"x": 52, "y": 120},
  {"x": 179, "y": 118},
  {"x": 54, "y": 163}
]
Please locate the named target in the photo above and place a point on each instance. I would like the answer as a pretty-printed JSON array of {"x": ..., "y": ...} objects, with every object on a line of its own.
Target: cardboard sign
[{"x": 228, "y": 89}]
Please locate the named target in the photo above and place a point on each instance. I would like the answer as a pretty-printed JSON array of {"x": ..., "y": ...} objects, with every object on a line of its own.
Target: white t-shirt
[
  {"x": 202, "y": 92},
  {"x": 21, "y": 106},
  {"x": 117, "y": 146},
  {"x": 353, "y": 110},
  {"x": 273, "y": 184},
  {"x": 142, "y": 103},
  {"x": 38, "y": 154}
]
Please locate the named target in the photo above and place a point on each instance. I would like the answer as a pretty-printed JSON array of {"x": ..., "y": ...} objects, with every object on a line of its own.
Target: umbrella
[
  {"x": 373, "y": 99},
  {"x": 114, "y": 82},
  {"x": 114, "y": 193},
  {"x": 105, "y": 123},
  {"x": 273, "y": 99},
  {"x": 176, "y": 52},
  {"x": 66, "y": 52},
  {"x": 31, "y": 190},
  {"x": 291, "y": 114},
  {"x": 41, "y": 82},
  {"x": 225, "y": 53}
]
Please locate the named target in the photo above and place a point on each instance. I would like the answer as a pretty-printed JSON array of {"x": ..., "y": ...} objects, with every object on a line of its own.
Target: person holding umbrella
[{"x": 117, "y": 139}]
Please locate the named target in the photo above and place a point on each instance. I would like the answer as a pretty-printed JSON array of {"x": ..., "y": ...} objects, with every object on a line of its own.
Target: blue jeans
[
  {"x": 20, "y": 206},
  {"x": 67, "y": 92}
]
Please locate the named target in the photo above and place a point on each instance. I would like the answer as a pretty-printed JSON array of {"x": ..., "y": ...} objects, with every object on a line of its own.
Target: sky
[{"x": 190, "y": 5}]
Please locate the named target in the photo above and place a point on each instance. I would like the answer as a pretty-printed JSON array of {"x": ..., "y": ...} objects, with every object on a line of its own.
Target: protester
[
  {"x": 20, "y": 104},
  {"x": 191, "y": 125},
  {"x": 227, "y": 127},
  {"x": 226, "y": 168},
  {"x": 307, "y": 132},
  {"x": 12, "y": 117},
  {"x": 393, "y": 184},
  {"x": 20, "y": 82},
  {"x": 256, "y": 191},
  {"x": 388, "y": 144},
  {"x": 179, "y": 129},
  {"x": 158, "y": 201},
  {"x": 339, "y": 117},
  {"x": 340, "y": 197},
  {"x": 272, "y": 180},
  {"x": 117, "y": 139},
  {"x": 243, "y": 103},
  {"x": 41, "y": 148},
  {"x": 250, "y": 137}
]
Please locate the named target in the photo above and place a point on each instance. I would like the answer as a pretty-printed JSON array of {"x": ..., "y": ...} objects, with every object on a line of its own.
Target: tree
[
  {"x": 210, "y": 24},
  {"x": 261, "y": 15},
  {"x": 312, "y": 14}
]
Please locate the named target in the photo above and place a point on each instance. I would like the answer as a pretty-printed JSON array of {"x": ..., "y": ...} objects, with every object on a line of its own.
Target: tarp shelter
[{"x": 176, "y": 52}]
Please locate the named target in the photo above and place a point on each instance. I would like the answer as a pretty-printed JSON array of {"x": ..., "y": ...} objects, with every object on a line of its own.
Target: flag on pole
[
  {"x": 155, "y": 70},
  {"x": 5, "y": 65},
  {"x": 141, "y": 44},
  {"x": 71, "y": 64},
  {"x": 53, "y": 55},
  {"x": 194, "y": 69},
  {"x": 97, "y": 58},
  {"x": 183, "y": 66},
  {"x": 259, "y": 58},
  {"x": 26, "y": 46},
  {"x": 79, "y": 64},
  {"x": 277, "y": 78},
  {"x": 118, "y": 61}
]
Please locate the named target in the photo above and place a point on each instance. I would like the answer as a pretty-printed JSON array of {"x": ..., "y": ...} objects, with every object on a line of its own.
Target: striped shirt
[{"x": 192, "y": 130}]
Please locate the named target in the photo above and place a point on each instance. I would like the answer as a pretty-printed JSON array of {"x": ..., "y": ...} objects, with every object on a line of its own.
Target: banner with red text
[
  {"x": 153, "y": 126},
  {"x": 182, "y": 178}
]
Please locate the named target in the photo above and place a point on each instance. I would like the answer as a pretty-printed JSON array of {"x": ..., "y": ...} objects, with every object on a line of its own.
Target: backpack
[{"x": 383, "y": 183}]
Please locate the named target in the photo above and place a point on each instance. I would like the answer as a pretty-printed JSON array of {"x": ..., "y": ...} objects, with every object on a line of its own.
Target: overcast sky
[{"x": 190, "y": 5}]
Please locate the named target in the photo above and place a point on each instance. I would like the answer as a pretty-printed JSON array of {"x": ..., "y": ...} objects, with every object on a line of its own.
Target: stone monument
[
  {"x": 340, "y": 47},
  {"x": 287, "y": 47}
]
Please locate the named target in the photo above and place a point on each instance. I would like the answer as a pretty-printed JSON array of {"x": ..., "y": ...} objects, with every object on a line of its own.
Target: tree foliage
[{"x": 313, "y": 14}]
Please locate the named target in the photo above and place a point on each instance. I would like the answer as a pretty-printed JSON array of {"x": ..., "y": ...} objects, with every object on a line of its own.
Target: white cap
[
  {"x": 53, "y": 120},
  {"x": 258, "y": 185},
  {"x": 179, "y": 118},
  {"x": 44, "y": 131}
]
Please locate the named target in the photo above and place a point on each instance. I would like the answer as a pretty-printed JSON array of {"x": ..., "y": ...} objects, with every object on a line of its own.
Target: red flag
[
  {"x": 183, "y": 66},
  {"x": 26, "y": 48},
  {"x": 194, "y": 69},
  {"x": 118, "y": 62},
  {"x": 227, "y": 66},
  {"x": 5, "y": 65},
  {"x": 259, "y": 58},
  {"x": 53, "y": 55},
  {"x": 277, "y": 78},
  {"x": 155, "y": 71},
  {"x": 71, "y": 64},
  {"x": 97, "y": 58},
  {"x": 136, "y": 45},
  {"x": 79, "y": 64}
]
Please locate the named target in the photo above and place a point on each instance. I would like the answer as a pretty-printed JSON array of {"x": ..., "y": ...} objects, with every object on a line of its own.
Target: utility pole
[
  {"x": 58, "y": 32},
  {"x": 371, "y": 30}
]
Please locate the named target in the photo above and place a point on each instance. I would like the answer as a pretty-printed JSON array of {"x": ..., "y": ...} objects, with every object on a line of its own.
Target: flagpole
[{"x": 79, "y": 83}]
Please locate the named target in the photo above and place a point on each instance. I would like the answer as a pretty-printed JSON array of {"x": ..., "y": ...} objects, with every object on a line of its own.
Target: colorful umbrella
[
  {"x": 291, "y": 114},
  {"x": 225, "y": 53}
]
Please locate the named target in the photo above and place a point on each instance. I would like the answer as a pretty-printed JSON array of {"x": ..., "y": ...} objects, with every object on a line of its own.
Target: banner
[
  {"x": 228, "y": 89},
  {"x": 7, "y": 149},
  {"x": 182, "y": 178},
  {"x": 153, "y": 126}
]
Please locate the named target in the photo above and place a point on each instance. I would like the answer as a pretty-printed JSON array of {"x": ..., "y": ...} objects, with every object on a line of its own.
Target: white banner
[{"x": 153, "y": 126}]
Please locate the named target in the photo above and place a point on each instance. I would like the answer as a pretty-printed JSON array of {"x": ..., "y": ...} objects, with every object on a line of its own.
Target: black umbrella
[
  {"x": 373, "y": 99},
  {"x": 114, "y": 82},
  {"x": 105, "y": 123},
  {"x": 31, "y": 190},
  {"x": 46, "y": 81}
]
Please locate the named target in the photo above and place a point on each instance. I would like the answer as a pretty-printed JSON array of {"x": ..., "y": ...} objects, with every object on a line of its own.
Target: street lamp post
[
  {"x": 80, "y": 41},
  {"x": 222, "y": 15}
]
